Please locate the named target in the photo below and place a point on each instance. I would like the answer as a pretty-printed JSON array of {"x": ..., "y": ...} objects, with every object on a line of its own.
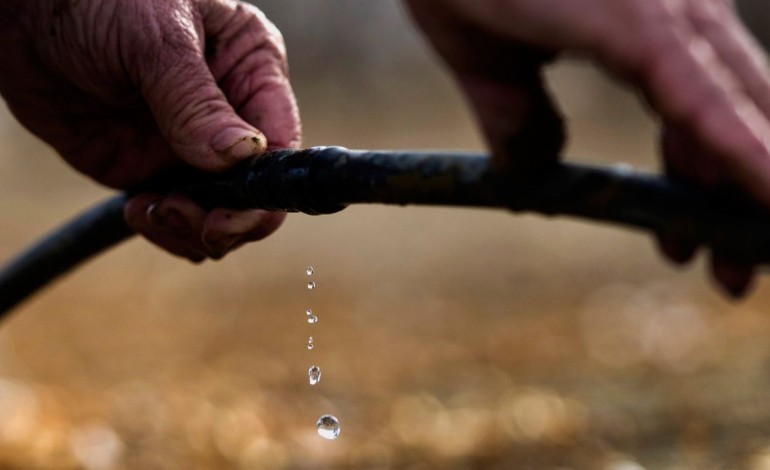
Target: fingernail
[
  {"x": 169, "y": 220},
  {"x": 236, "y": 144}
]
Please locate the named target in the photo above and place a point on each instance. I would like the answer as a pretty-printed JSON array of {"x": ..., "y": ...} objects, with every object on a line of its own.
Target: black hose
[
  {"x": 84, "y": 236},
  {"x": 324, "y": 180}
]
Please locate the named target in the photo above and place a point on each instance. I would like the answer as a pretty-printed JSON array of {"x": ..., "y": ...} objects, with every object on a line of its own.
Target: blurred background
[{"x": 447, "y": 338}]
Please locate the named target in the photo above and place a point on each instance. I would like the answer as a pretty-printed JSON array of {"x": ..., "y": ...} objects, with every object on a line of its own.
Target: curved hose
[{"x": 324, "y": 180}]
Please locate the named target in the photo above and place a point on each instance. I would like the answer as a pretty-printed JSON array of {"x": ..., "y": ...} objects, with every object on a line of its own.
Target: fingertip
[
  {"x": 675, "y": 250},
  {"x": 736, "y": 279}
]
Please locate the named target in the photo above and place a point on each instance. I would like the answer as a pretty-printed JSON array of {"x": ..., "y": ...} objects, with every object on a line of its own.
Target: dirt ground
[{"x": 447, "y": 338}]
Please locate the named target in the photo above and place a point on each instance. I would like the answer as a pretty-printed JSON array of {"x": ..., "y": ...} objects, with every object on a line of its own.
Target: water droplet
[
  {"x": 328, "y": 427},
  {"x": 310, "y": 343},
  {"x": 309, "y": 270},
  {"x": 311, "y": 285},
  {"x": 312, "y": 319},
  {"x": 308, "y": 312},
  {"x": 314, "y": 375}
]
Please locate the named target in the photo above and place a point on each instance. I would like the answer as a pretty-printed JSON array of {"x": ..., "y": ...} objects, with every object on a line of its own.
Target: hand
[
  {"x": 694, "y": 62},
  {"x": 124, "y": 90}
]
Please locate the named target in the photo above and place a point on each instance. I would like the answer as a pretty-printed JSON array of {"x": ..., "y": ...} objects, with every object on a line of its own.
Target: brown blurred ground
[{"x": 447, "y": 338}]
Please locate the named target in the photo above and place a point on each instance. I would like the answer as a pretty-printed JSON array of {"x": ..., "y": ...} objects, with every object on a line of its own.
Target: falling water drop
[
  {"x": 311, "y": 285},
  {"x": 314, "y": 375},
  {"x": 312, "y": 319},
  {"x": 328, "y": 427},
  {"x": 309, "y": 270},
  {"x": 310, "y": 343}
]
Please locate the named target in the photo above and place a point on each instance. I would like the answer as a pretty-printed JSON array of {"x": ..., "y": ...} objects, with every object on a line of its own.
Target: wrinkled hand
[
  {"x": 693, "y": 60},
  {"x": 124, "y": 90}
]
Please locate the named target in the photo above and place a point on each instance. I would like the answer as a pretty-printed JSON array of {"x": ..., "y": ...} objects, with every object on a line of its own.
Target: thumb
[{"x": 191, "y": 111}]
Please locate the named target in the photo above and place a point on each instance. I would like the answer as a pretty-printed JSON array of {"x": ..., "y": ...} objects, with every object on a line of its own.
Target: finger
[
  {"x": 520, "y": 123},
  {"x": 736, "y": 47},
  {"x": 687, "y": 83},
  {"x": 247, "y": 56},
  {"x": 683, "y": 161},
  {"x": 501, "y": 77},
  {"x": 171, "y": 222},
  {"x": 736, "y": 278},
  {"x": 192, "y": 112},
  {"x": 224, "y": 229}
]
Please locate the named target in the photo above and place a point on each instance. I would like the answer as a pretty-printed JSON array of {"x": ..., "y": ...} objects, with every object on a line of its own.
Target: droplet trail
[
  {"x": 328, "y": 427},
  {"x": 310, "y": 343}
]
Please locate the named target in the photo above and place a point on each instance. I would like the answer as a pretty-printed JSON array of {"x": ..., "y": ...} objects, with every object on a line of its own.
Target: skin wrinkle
[
  {"x": 244, "y": 40},
  {"x": 175, "y": 51},
  {"x": 268, "y": 85},
  {"x": 104, "y": 126},
  {"x": 179, "y": 112},
  {"x": 248, "y": 69},
  {"x": 106, "y": 32},
  {"x": 67, "y": 36},
  {"x": 239, "y": 49},
  {"x": 243, "y": 83}
]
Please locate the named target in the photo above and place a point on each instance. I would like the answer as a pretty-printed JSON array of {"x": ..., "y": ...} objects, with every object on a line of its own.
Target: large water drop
[
  {"x": 309, "y": 270},
  {"x": 311, "y": 285},
  {"x": 314, "y": 375},
  {"x": 312, "y": 319},
  {"x": 328, "y": 427}
]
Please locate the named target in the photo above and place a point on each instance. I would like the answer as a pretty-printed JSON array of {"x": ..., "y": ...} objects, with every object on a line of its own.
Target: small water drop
[
  {"x": 308, "y": 312},
  {"x": 314, "y": 375},
  {"x": 328, "y": 427},
  {"x": 310, "y": 343},
  {"x": 311, "y": 285},
  {"x": 309, "y": 270},
  {"x": 312, "y": 319}
]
